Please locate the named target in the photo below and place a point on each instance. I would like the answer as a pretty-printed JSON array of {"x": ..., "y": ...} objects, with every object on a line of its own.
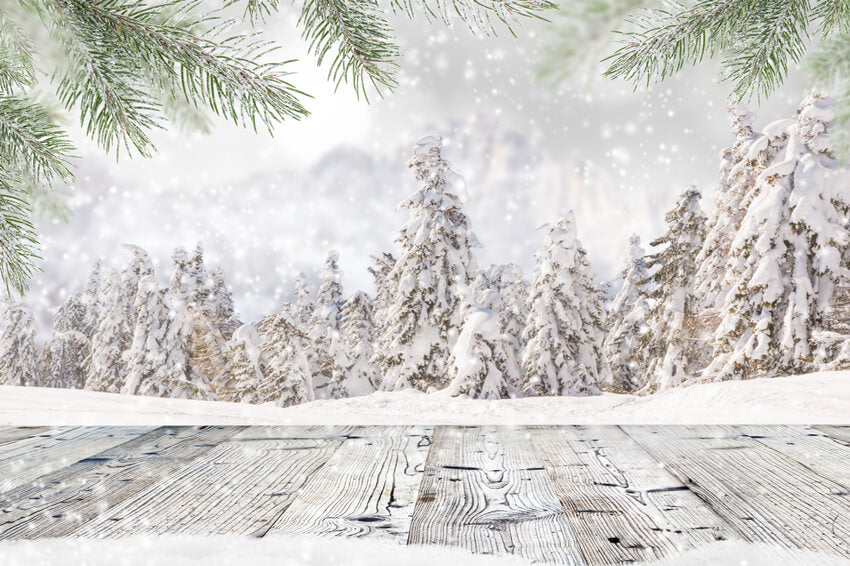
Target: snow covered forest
[{"x": 758, "y": 287}]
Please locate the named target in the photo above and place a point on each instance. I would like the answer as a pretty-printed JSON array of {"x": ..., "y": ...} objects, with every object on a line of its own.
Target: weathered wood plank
[
  {"x": 12, "y": 433},
  {"x": 485, "y": 489},
  {"x": 812, "y": 448},
  {"x": 622, "y": 505},
  {"x": 58, "y": 503},
  {"x": 25, "y": 459},
  {"x": 840, "y": 433},
  {"x": 766, "y": 495},
  {"x": 367, "y": 488},
  {"x": 241, "y": 486}
]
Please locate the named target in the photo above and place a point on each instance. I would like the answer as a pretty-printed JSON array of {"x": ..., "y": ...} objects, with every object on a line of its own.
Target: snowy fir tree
[
  {"x": 480, "y": 366},
  {"x": 305, "y": 302},
  {"x": 196, "y": 351},
  {"x": 787, "y": 258},
  {"x": 203, "y": 318},
  {"x": 667, "y": 346},
  {"x": 564, "y": 330},
  {"x": 245, "y": 369},
  {"x": 426, "y": 285},
  {"x": 513, "y": 313},
  {"x": 740, "y": 167},
  {"x": 148, "y": 349},
  {"x": 358, "y": 332},
  {"x": 107, "y": 367},
  {"x": 288, "y": 380},
  {"x": 140, "y": 266},
  {"x": 324, "y": 334},
  {"x": 91, "y": 301},
  {"x": 18, "y": 358},
  {"x": 156, "y": 359},
  {"x": 627, "y": 322},
  {"x": 737, "y": 179},
  {"x": 221, "y": 305},
  {"x": 65, "y": 358},
  {"x": 380, "y": 268}
]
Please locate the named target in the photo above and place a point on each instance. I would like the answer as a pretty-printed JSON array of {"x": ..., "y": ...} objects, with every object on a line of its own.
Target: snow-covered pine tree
[
  {"x": 513, "y": 313},
  {"x": 479, "y": 365},
  {"x": 204, "y": 301},
  {"x": 667, "y": 346},
  {"x": 627, "y": 321},
  {"x": 330, "y": 353},
  {"x": 737, "y": 178},
  {"x": 139, "y": 267},
  {"x": 156, "y": 359},
  {"x": 190, "y": 360},
  {"x": 382, "y": 265},
  {"x": 107, "y": 367},
  {"x": 245, "y": 367},
  {"x": 287, "y": 380},
  {"x": 740, "y": 166},
  {"x": 222, "y": 309},
  {"x": 148, "y": 349},
  {"x": 64, "y": 359},
  {"x": 563, "y": 333},
  {"x": 18, "y": 358},
  {"x": 92, "y": 301},
  {"x": 787, "y": 257},
  {"x": 305, "y": 302},
  {"x": 426, "y": 285},
  {"x": 358, "y": 332}
]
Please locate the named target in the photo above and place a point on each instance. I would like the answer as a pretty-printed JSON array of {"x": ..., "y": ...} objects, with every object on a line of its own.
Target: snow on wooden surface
[
  {"x": 814, "y": 398},
  {"x": 579, "y": 495}
]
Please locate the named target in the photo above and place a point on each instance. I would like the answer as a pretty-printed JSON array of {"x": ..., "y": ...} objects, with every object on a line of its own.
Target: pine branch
[
  {"x": 359, "y": 37},
  {"x": 30, "y": 144},
  {"x": 667, "y": 41},
  {"x": 833, "y": 14},
  {"x": 762, "y": 51},
  {"x": 18, "y": 243},
  {"x": 227, "y": 76},
  {"x": 17, "y": 67},
  {"x": 480, "y": 16},
  {"x": 256, "y": 10}
]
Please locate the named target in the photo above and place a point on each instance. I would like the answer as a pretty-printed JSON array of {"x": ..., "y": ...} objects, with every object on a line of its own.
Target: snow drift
[{"x": 820, "y": 398}]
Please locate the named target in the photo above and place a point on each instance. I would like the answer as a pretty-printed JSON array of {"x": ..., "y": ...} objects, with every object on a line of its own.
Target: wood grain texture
[
  {"x": 623, "y": 506},
  {"x": 58, "y": 503},
  {"x": 839, "y": 433},
  {"x": 766, "y": 495},
  {"x": 485, "y": 489},
  {"x": 12, "y": 433},
  {"x": 25, "y": 459},
  {"x": 820, "y": 452},
  {"x": 241, "y": 486},
  {"x": 366, "y": 489}
]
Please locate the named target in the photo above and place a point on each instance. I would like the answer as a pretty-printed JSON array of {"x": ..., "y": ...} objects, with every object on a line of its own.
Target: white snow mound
[{"x": 817, "y": 398}]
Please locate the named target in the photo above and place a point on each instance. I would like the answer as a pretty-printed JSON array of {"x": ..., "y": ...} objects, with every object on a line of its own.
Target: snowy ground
[
  {"x": 226, "y": 551},
  {"x": 821, "y": 398}
]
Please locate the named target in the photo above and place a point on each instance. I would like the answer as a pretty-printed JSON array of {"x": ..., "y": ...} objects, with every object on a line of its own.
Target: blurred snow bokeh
[{"x": 268, "y": 208}]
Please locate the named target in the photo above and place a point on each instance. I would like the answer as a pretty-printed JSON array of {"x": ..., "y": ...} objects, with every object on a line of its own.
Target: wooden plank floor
[{"x": 578, "y": 495}]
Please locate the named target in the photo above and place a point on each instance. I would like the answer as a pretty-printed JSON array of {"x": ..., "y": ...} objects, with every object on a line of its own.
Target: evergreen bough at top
[
  {"x": 129, "y": 66},
  {"x": 757, "y": 42}
]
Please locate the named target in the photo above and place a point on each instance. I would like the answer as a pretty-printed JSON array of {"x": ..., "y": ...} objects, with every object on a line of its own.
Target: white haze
[{"x": 268, "y": 208}]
